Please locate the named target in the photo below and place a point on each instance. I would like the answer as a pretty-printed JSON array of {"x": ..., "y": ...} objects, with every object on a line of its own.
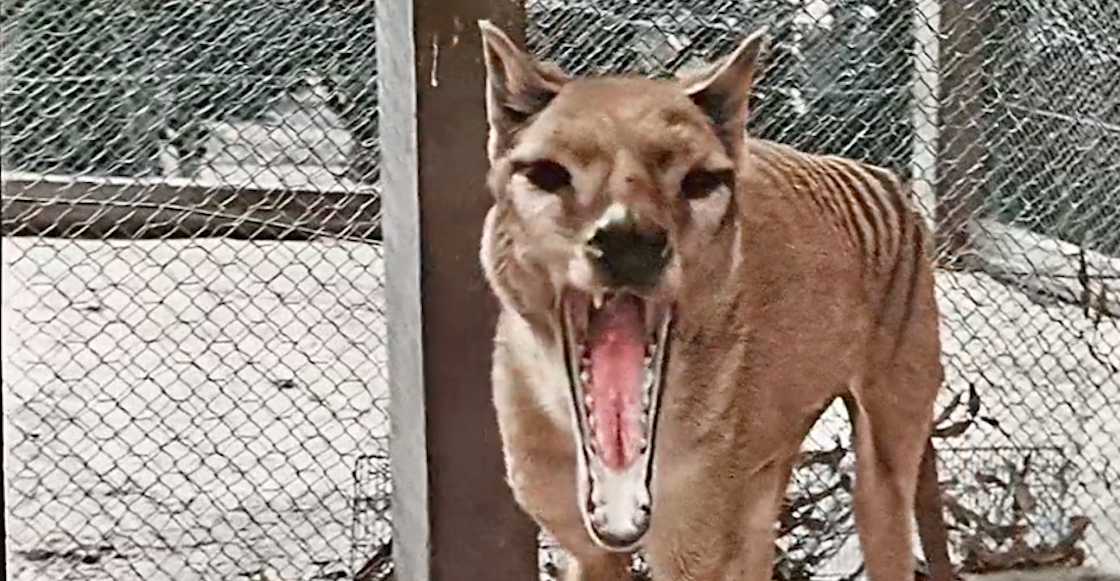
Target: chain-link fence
[
  {"x": 192, "y": 407},
  {"x": 201, "y": 407}
]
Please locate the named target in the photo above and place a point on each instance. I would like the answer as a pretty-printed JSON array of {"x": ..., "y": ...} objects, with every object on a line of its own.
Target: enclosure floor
[
  {"x": 189, "y": 410},
  {"x": 194, "y": 410}
]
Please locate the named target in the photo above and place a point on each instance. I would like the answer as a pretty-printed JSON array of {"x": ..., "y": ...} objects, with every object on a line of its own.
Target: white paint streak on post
[
  {"x": 435, "y": 61},
  {"x": 924, "y": 112}
]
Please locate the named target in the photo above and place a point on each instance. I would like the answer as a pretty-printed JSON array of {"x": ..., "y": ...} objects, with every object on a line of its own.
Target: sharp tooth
[
  {"x": 599, "y": 516},
  {"x": 597, "y": 300},
  {"x": 648, "y": 362},
  {"x": 598, "y": 497},
  {"x": 585, "y": 376},
  {"x": 588, "y": 401}
]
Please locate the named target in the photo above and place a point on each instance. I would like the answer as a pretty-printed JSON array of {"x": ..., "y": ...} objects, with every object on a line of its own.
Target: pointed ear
[
  {"x": 517, "y": 86},
  {"x": 722, "y": 89}
]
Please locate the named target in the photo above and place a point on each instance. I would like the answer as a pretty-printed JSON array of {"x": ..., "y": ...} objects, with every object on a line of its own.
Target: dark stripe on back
[
  {"x": 897, "y": 194},
  {"x": 862, "y": 199},
  {"x": 908, "y": 265},
  {"x": 835, "y": 193}
]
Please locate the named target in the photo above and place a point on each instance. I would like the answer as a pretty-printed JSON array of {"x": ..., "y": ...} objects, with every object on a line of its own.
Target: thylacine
[{"x": 679, "y": 303}]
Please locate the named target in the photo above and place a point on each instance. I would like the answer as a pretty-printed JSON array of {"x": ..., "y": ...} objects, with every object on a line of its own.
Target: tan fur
[{"x": 809, "y": 282}]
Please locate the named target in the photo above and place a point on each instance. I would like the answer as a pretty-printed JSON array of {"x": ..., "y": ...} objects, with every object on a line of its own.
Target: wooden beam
[
  {"x": 454, "y": 518},
  {"x": 961, "y": 145},
  {"x": 119, "y": 208}
]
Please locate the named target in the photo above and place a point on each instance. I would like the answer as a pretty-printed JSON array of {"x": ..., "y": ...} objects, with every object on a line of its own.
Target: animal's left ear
[{"x": 722, "y": 90}]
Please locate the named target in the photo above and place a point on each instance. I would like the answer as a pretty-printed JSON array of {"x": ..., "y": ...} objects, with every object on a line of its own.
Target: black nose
[{"x": 627, "y": 256}]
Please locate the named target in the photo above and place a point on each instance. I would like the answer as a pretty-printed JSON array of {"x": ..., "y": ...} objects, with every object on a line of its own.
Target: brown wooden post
[
  {"x": 454, "y": 517},
  {"x": 961, "y": 148}
]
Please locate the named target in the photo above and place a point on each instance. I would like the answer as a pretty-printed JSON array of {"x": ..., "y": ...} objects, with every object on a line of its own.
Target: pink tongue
[{"x": 617, "y": 351}]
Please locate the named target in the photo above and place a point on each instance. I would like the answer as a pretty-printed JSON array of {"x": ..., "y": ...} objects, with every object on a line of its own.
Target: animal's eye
[
  {"x": 698, "y": 183},
  {"x": 547, "y": 175}
]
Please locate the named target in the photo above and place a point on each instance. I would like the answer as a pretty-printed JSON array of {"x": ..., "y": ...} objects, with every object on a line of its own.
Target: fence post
[
  {"x": 453, "y": 515},
  {"x": 923, "y": 114},
  {"x": 961, "y": 148}
]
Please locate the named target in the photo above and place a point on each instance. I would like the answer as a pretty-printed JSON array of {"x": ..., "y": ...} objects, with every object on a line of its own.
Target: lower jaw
[{"x": 616, "y": 505}]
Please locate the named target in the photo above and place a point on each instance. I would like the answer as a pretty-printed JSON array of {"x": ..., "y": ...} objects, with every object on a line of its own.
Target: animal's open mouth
[{"x": 615, "y": 350}]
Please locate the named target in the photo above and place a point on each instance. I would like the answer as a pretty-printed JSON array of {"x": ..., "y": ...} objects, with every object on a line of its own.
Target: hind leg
[
  {"x": 931, "y": 518},
  {"x": 890, "y": 435}
]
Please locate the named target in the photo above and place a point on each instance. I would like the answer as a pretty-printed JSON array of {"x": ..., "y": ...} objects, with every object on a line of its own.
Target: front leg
[
  {"x": 532, "y": 404},
  {"x": 712, "y": 524},
  {"x": 541, "y": 471},
  {"x": 720, "y": 483},
  {"x": 544, "y": 485}
]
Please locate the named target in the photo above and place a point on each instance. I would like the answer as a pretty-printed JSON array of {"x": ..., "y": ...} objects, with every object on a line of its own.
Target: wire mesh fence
[
  {"x": 195, "y": 407},
  {"x": 187, "y": 407}
]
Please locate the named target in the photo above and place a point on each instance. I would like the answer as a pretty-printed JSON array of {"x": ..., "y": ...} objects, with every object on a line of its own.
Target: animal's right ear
[
  {"x": 517, "y": 86},
  {"x": 722, "y": 89}
]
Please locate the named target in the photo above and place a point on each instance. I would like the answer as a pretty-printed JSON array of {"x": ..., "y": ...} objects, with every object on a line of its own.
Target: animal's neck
[{"x": 706, "y": 287}]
